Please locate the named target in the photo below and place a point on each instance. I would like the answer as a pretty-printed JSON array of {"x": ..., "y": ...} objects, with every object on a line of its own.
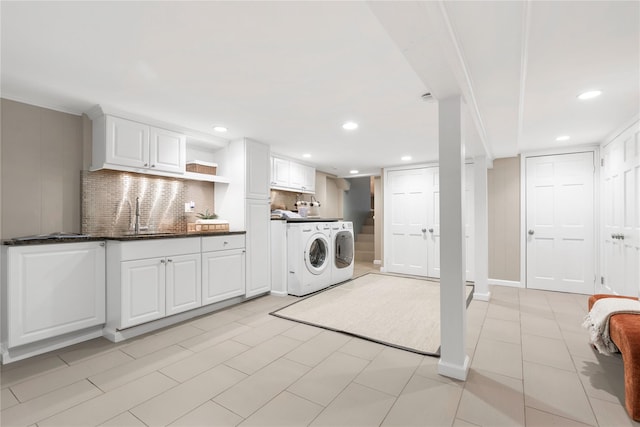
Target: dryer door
[
  {"x": 344, "y": 249},
  {"x": 316, "y": 254}
]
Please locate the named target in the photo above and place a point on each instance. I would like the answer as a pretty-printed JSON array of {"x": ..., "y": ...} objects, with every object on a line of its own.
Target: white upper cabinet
[
  {"x": 137, "y": 147},
  {"x": 257, "y": 164},
  {"x": 292, "y": 176},
  {"x": 280, "y": 169},
  {"x": 167, "y": 150},
  {"x": 127, "y": 143}
]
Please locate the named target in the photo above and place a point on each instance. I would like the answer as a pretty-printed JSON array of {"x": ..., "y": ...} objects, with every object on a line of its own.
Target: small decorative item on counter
[
  {"x": 206, "y": 217},
  {"x": 215, "y": 226},
  {"x": 314, "y": 207},
  {"x": 207, "y": 222}
]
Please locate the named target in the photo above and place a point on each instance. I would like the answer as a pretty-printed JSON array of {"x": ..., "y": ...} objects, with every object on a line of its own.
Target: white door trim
[{"x": 595, "y": 149}]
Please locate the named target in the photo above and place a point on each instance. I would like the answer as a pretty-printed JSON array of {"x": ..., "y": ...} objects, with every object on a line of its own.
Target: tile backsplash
[
  {"x": 109, "y": 202},
  {"x": 281, "y": 199}
]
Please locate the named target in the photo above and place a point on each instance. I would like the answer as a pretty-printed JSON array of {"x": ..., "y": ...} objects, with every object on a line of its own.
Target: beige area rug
[{"x": 396, "y": 311}]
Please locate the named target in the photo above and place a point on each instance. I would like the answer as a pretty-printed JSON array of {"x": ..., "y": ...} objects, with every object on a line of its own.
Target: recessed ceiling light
[
  {"x": 590, "y": 94},
  {"x": 405, "y": 158},
  {"x": 354, "y": 171},
  {"x": 563, "y": 138},
  {"x": 306, "y": 155},
  {"x": 350, "y": 126},
  {"x": 220, "y": 128}
]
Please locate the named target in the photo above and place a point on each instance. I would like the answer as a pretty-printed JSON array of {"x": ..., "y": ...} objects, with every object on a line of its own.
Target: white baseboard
[
  {"x": 510, "y": 283},
  {"x": 454, "y": 371},
  {"x": 481, "y": 296},
  {"x": 39, "y": 347},
  {"x": 115, "y": 335},
  {"x": 279, "y": 293}
]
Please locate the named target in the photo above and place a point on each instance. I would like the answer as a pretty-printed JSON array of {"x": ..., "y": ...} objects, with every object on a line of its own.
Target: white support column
[
  {"x": 454, "y": 362},
  {"x": 481, "y": 229}
]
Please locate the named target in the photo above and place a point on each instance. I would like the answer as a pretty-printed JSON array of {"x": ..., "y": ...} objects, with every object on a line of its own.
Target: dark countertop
[
  {"x": 151, "y": 236},
  {"x": 120, "y": 237},
  {"x": 307, "y": 219},
  {"x": 50, "y": 241}
]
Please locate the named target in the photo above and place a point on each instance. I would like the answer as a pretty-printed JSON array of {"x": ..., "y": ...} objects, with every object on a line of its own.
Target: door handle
[{"x": 530, "y": 232}]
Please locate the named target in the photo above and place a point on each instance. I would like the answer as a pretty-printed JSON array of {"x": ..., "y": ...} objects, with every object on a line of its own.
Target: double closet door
[
  {"x": 412, "y": 221},
  {"x": 621, "y": 214}
]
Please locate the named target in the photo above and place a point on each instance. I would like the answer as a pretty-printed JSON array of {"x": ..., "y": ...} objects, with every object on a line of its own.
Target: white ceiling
[{"x": 290, "y": 73}]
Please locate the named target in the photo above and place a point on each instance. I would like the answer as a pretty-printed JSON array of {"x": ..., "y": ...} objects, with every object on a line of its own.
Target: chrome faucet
[{"x": 136, "y": 227}]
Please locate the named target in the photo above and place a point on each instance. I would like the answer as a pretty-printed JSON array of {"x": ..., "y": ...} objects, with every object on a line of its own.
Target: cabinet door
[
  {"x": 258, "y": 247},
  {"x": 183, "y": 283},
  {"x": 297, "y": 178},
  {"x": 143, "y": 291},
  {"x": 53, "y": 290},
  {"x": 167, "y": 150},
  {"x": 279, "y": 172},
  {"x": 258, "y": 170},
  {"x": 127, "y": 143},
  {"x": 223, "y": 275},
  {"x": 309, "y": 183}
]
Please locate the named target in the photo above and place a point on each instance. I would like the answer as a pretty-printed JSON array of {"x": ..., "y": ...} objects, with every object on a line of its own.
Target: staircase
[{"x": 364, "y": 245}]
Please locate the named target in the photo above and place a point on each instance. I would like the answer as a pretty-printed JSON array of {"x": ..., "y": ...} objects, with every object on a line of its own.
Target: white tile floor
[{"x": 531, "y": 365}]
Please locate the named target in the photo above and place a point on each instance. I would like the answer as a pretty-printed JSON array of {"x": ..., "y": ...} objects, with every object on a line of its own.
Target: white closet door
[
  {"x": 433, "y": 221},
  {"x": 407, "y": 194},
  {"x": 621, "y": 214},
  {"x": 559, "y": 209}
]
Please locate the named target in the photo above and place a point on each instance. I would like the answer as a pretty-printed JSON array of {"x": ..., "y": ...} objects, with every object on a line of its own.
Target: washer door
[
  {"x": 344, "y": 249},
  {"x": 316, "y": 254}
]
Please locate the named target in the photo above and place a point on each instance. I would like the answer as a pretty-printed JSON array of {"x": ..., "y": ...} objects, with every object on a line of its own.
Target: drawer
[
  {"x": 157, "y": 248},
  {"x": 221, "y": 243}
]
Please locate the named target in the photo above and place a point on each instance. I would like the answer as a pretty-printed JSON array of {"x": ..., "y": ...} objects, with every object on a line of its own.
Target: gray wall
[
  {"x": 42, "y": 156},
  {"x": 357, "y": 202},
  {"x": 504, "y": 219}
]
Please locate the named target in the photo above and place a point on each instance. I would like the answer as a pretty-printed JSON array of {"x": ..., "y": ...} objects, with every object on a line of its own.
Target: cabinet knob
[
  {"x": 162, "y": 261},
  {"x": 225, "y": 243},
  {"x": 146, "y": 164},
  {"x": 530, "y": 232},
  {"x": 169, "y": 260},
  {"x": 102, "y": 244}
]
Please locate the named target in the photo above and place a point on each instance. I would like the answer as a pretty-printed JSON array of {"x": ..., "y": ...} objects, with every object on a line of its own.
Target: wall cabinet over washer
[
  {"x": 290, "y": 175},
  {"x": 137, "y": 147}
]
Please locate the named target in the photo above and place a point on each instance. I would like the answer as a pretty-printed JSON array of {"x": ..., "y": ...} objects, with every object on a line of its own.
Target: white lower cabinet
[
  {"x": 158, "y": 287},
  {"x": 143, "y": 291},
  {"x": 50, "y": 290},
  {"x": 150, "y": 279},
  {"x": 183, "y": 283},
  {"x": 223, "y": 268},
  {"x": 258, "y": 248}
]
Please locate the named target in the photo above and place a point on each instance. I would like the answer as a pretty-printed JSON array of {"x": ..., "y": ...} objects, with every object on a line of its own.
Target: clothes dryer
[
  {"x": 343, "y": 251},
  {"x": 309, "y": 256}
]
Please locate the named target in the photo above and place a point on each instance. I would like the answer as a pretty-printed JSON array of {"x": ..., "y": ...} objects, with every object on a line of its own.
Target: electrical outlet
[{"x": 190, "y": 207}]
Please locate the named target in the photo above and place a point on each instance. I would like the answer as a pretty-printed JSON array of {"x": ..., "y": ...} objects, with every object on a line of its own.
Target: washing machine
[
  {"x": 309, "y": 256},
  {"x": 343, "y": 246}
]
